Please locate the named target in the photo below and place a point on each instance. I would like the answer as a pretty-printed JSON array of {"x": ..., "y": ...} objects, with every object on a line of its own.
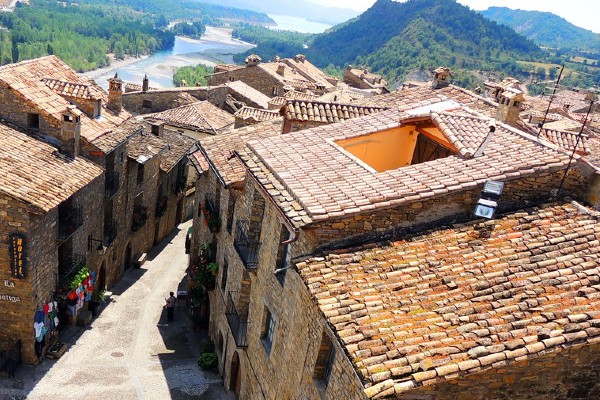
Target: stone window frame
[
  {"x": 267, "y": 335},
  {"x": 33, "y": 121},
  {"x": 140, "y": 173},
  {"x": 283, "y": 259},
  {"x": 324, "y": 362}
]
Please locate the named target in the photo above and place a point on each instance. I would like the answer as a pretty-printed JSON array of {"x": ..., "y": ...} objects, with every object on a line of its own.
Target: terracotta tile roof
[
  {"x": 299, "y": 84},
  {"x": 226, "y": 67},
  {"x": 342, "y": 96},
  {"x": 255, "y": 114},
  {"x": 36, "y": 173},
  {"x": 566, "y": 140},
  {"x": 451, "y": 302},
  {"x": 72, "y": 89},
  {"x": 199, "y": 161},
  {"x": 277, "y": 102},
  {"x": 325, "y": 112},
  {"x": 171, "y": 147},
  {"x": 110, "y": 139},
  {"x": 412, "y": 97},
  {"x": 250, "y": 93},
  {"x": 200, "y": 116},
  {"x": 563, "y": 125},
  {"x": 219, "y": 150},
  {"x": 371, "y": 79},
  {"x": 27, "y": 79},
  {"x": 134, "y": 87},
  {"x": 177, "y": 146},
  {"x": 309, "y": 71},
  {"x": 295, "y": 95},
  {"x": 325, "y": 182}
]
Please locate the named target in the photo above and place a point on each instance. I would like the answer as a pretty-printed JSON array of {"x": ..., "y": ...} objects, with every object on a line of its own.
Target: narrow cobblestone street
[{"x": 129, "y": 351}]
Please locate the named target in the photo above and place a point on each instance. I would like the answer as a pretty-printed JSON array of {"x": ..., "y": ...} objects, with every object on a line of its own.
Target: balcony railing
[
  {"x": 111, "y": 184},
  {"x": 179, "y": 185},
  {"x": 238, "y": 326},
  {"x": 68, "y": 266},
  {"x": 211, "y": 213},
  {"x": 69, "y": 221},
  {"x": 140, "y": 216},
  {"x": 110, "y": 232},
  {"x": 246, "y": 248}
]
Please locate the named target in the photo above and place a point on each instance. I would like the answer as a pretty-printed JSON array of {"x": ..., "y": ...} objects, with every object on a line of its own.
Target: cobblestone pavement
[{"x": 129, "y": 351}]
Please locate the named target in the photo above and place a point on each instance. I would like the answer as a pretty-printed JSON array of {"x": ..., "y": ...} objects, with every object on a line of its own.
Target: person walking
[{"x": 170, "y": 306}]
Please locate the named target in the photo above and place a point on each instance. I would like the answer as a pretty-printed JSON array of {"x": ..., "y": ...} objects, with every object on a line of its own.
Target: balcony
[
  {"x": 111, "y": 184},
  {"x": 161, "y": 206},
  {"x": 179, "y": 185},
  {"x": 68, "y": 266},
  {"x": 140, "y": 216},
  {"x": 238, "y": 326},
  {"x": 110, "y": 232},
  {"x": 246, "y": 248},
  {"x": 69, "y": 220},
  {"x": 211, "y": 213}
]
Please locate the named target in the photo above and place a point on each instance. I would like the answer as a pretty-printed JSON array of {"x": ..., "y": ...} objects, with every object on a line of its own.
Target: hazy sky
[{"x": 583, "y": 13}]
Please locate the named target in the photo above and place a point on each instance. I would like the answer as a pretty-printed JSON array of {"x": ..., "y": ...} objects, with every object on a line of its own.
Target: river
[{"x": 216, "y": 46}]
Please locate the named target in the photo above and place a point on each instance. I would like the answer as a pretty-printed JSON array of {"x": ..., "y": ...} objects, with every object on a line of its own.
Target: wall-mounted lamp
[
  {"x": 100, "y": 249},
  {"x": 487, "y": 204}
]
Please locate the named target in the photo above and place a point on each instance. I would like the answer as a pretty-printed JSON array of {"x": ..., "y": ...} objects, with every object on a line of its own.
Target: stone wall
[
  {"x": 572, "y": 373},
  {"x": 253, "y": 76},
  {"x": 161, "y": 100},
  {"x": 456, "y": 206},
  {"x": 141, "y": 240}
]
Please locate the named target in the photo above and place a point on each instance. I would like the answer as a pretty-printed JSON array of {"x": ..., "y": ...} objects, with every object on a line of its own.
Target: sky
[{"x": 583, "y": 13}]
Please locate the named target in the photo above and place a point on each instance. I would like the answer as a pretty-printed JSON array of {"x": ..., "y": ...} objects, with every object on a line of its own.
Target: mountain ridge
[{"x": 544, "y": 28}]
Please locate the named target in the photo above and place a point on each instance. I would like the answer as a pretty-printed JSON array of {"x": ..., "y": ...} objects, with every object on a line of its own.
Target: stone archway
[
  {"x": 127, "y": 261},
  {"x": 101, "y": 278}
]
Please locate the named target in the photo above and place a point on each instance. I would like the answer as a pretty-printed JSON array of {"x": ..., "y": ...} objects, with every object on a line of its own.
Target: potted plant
[
  {"x": 97, "y": 297},
  {"x": 213, "y": 267}
]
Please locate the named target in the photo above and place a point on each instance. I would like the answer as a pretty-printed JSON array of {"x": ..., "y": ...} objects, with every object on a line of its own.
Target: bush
[{"x": 208, "y": 361}]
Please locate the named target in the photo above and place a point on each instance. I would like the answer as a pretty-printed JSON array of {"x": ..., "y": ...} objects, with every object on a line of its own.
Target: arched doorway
[
  {"x": 127, "y": 259},
  {"x": 235, "y": 377},
  {"x": 220, "y": 352},
  {"x": 101, "y": 278}
]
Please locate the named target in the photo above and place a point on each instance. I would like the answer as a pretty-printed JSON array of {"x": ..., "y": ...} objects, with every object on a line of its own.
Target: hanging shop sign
[{"x": 18, "y": 263}]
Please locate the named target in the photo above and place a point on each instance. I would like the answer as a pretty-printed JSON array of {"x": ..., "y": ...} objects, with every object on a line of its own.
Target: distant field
[
  {"x": 536, "y": 65},
  {"x": 583, "y": 60}
]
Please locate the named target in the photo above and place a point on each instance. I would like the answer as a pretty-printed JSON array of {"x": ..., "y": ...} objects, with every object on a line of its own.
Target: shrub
[{"x": 208, "y": 361}]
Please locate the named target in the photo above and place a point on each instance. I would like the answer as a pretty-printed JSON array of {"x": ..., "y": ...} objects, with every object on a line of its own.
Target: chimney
[
  {"x": 145, "y": 83},
  {"x": 300, "y": 58},
  {"x": 157, "y": 128},
  {"x": 281, "y": 69},
  {"x": 509, "y": 106},
  {"x": 70, "y": 131},
  {"x": 115, "y": 94},
  {"x": 486, "y": 141},
  {"x": 441, "y": 78},
  {"x": 252, "y": 60}
]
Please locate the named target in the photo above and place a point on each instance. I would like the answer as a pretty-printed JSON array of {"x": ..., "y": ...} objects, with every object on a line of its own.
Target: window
[
  {"x": 268, "y": 330},
  {"x": 67, "y": 118},
  {"x": 283, "y": 255},
  {"x": 275, "y": 91},
  {"x": 224, "y": 275},
  {"x": 140, "y": 173},
  {"x": 33, "y": 121},
  {"x": 146, "y": 103},
  {"x": 324, "y": 363},
  {"x": 230, "y": 211}
]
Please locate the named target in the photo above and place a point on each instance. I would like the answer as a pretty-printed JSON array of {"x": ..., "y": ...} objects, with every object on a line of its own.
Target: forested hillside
[
  {"x": 397, "y": 38},
  {"x": 83, "y": 33},
  {"x": 545, "y": 29}
]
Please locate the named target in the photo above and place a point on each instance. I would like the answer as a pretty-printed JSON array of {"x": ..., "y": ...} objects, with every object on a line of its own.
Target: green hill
[
  {"x": 545, "y": 29},
  {"x": 397, "y": 38}
]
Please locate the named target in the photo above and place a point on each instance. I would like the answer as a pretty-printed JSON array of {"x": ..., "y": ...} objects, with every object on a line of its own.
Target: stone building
[
  {"x": 361, "y": 78},
  {"x": 299, "y": 115},
  {"x": 50, "y": 206},
  {"x": 299, "y": 311},
  {"x": 196, "y": 120},
  {"x": 277, "y": 77}
]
